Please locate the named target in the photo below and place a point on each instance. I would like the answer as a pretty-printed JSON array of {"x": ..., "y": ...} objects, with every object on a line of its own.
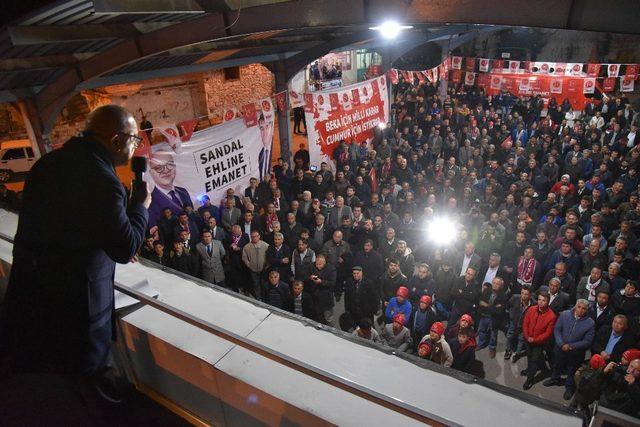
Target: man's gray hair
[{"x": 582, "y": 302}]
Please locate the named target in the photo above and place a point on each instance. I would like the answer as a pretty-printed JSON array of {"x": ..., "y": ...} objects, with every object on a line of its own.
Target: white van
[{"x": 15, "y": 157}]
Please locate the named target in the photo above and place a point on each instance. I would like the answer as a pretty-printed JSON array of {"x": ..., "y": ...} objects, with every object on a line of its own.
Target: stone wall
[{"x": 171, "y": 100}]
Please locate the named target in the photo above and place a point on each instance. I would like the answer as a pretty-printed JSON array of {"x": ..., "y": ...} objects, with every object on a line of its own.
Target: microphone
[{"x": 139, "y": 167}]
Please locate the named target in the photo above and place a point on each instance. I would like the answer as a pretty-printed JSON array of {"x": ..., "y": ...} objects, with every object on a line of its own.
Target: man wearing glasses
[
  {"x": 60, "y": 301},
  {"x": 162, "y": 168}
]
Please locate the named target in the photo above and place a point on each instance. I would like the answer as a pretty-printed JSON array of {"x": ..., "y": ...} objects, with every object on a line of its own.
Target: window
[
  {"x": 232, "y": 73},
  {"x": 14, "y": 154}
]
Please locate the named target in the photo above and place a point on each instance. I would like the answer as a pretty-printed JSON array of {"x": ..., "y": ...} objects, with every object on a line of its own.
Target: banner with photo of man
[
  {"x": 213, "y": 160},
  {"x": 350, "y": 113}
]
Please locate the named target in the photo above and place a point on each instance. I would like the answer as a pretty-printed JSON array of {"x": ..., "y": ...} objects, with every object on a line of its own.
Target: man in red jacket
[{"x": 537, "y": 329}]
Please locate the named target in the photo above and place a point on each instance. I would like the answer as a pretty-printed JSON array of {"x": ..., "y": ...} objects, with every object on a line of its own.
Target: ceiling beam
[
  {"x": 22, "y": 35},
  {"x": 147, "y": 6},
  {"x": 43, "y": 62}
]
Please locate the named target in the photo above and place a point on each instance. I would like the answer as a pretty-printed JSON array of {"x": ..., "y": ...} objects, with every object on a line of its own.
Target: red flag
[
  {"x": 609, "y": 84},
  {"x": 484, "y": 65},
  {"x": 560, "y": 68},
  {"x": 456, "y": 62},
  {"x": 483, "y": 79},
  {"x": 613, "y": 70},
  {"x": 143, "y": 150},
  {"x": 589, "y": 85},
  {"x": 593, "y": 70},
  {"x": 374, "y": 179},
  {"x": 375, "y": 89},
  {"x": 527, "y": 66},
  {"x": 281, "y": 100},
  {"x": 514, "y": 66},
  {"x": 631, "y": 71},
  {"x": 469, "y": 78},
  {"x": 393, "y": 76},
  {"x": 355, "y": 97},
  {"x": 456, "y": 76},
  {"x": 556, "y": 86},
  {"x": 229, "y": 114},
  {"x": 186, "y": 129},
  {"x": 469, "y": 64},
  {"x": 498, "y": 65},
  {"x": 250, "y": 114},
  {"x": 308, "y": 102},
  {"x": 420, "y": 75},
  {"x": 334, "y": 101},
  {"x": 626, "y": 84},
  {"x": 407, "y": 76}
]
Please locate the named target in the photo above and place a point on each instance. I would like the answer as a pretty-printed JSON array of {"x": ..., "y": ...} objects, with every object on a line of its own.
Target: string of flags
[{"x": 609, "y": 74}]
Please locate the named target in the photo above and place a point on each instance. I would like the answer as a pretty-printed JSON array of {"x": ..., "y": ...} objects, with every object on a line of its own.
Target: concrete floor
[{"x": 498, "y": 370}]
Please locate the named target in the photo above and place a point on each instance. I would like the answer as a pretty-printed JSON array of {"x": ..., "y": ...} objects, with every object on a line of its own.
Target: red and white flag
[
  {"x": 593, "y": 70},
  {"x": 514, "y": 66},
  {"x": 281, "y": 100},
  {"x": 631, "y": 71},
  {"x": 496, "y": 82},
  {"x": 296, "y": 99},
  {"x": 420, "y": 75},
  {"x": 609, "y": 84},
  {"x": 542, "y": 67},
  {"x": 469, "y": 78},
  {"x": 456, "y": 62},
  {"x": 560, "y": 68},
  {"x": 172, "y": 136},
  {"x": 524, "y": 86},
  {"x": 555, "y": 86},
  {"x": 613, "y": 70},
  {"x": 574, "y": 69},
  {"x": 483, "y": 65},
  {"x": 626, "y": 84},
  {"x": 498, "y": 65},
  {"x": 469, "y": 64},
  {"x": 589, "y": 85},
  {"x": 456, "y": 76},
  {"x": 186, "y": 128},
  {"x": 393, "y": 76},
  {"x": 334, "y": 101}
]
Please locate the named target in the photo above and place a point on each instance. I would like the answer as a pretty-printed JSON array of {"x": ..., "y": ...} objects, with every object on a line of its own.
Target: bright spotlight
[
  {"x": 442, "y": 231},
  {"x": 382, "y": 125},
  {"x": 390, "y": 29}
]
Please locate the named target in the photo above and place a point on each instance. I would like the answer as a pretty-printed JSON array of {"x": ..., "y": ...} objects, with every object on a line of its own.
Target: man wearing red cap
[
  {"x": 440, "y": 350},
  {"x": 422, "y": 318},
  {"x": 629, "y": 356},
  {"x": 537, "y": 329},
  {"x": 399, "y": 304},
  {"x": 396, "y": 335}
]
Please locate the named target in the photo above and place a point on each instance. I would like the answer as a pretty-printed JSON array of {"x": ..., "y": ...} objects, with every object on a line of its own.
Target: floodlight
[
  {"x": 390, "y": 29},
  {"x": 442, "y": 231}
]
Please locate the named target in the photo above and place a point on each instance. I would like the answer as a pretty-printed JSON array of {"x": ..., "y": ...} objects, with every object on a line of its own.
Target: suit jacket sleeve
[{"x": 122, "y": 230}]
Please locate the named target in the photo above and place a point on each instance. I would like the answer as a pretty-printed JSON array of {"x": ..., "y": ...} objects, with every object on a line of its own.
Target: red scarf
[{"x": 526, "y": 268}]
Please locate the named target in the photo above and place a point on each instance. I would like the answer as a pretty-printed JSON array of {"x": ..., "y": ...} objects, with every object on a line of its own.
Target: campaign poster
[{"x": 213, "y": 160}]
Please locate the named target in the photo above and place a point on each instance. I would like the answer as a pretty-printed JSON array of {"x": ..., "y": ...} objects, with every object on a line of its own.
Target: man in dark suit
[
  {"x": 252, "y": 191},
  {"x": 264, "y": 157},
  {"x": 467, "y": 259},
  {"x": 279, "y": 257},
  {"x": 559, "y": 300},
  {"x": 360, "y": 297},
  {"x": 216, "y": 231},
  {"x": 233, "y": 244},
  {"x": 249, "y": 222},
  {"x": 602, "y": 313},
  {"x": 162, "y": 169},
  {"x": 59, "y": 301},
  {"x": 188, "y": 225}
]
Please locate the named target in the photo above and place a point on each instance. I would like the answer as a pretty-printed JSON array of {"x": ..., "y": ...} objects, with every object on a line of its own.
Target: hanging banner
[
  {"x": 514, "y": 66},
  {"x": 609, "y": 84},
  {"x": 497, "y": 65},
  {"x": 456, "y": 62},
  {"x": 469, "y": 64},
  {"x": 230, "y": 114},
  {"x": 560, "y": 68},
  {"x": 483, "y": 65},
  {"x": 631, "y": 70},
  {"x": 613, "y": 70},
  {"x": 541, "y": 67},
  {"x": 469, "y": 78},
  {"x": 456, "y": 76},
  {"x": 527, "y": 66},
  {"x": 350, "y": 122},
  {"x": 524, "y": 86},
  {"x": 296, "y": 99},
  {"x": 574, "y": 69},
  {"x": 496, "y": 82},
  {"x": 555, "y": 86},
  {"x": 626, "y": 84},
  {"x": 589, "y": 85},
  {"x": 281, "y": 101},
  {"x": 393, "y": 76},
  {"x": 483, "y": 79},
  {"x": 215, "y": 159},
  {"x": 593, "y": 70}
]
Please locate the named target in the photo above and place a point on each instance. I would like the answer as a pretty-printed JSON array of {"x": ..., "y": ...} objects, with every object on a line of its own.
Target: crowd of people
[{"x": 545, "y": 201}]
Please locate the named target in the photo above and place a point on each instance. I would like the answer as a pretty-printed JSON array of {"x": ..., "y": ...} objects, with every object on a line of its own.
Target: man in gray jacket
[
  {"x": 210, "y": 254},
  {"x": 574, "y": 332},
  {"x": 254, "y": 256}
]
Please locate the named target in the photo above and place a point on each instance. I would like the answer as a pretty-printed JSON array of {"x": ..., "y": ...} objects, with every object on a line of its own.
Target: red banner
[
  {"x": 456, "y": 62},
  {"x": 186, "y": 129},
  {"x": 497, "y": 65},
  {"x": 456, "y": 76},
  {"x": 483, "y": 65},
  {"x": 469, "y": 64},
  {"x": 609, "y": 84},
  {"x": 281, "y": 101},
  {"x": 631, "y": 71},
  {"x": 361, "y": 108},
  {"x": 593, "y": 70}
]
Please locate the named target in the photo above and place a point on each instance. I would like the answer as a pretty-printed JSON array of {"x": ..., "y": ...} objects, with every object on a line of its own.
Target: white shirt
[
  {"x": 631, "y": 138},
  {"x": 599, "y": 310},
  {"x": 491, "y": 274},
  {"x": 552, "y": 297},
  {"x": 465, "y": 264}
]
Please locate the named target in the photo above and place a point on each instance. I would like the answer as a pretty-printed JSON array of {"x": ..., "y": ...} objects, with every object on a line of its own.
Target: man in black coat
[
  {"x": 360, "y": 299},
  {"x": 233, "y": 244},
  {"x": 60, "y": 305},
  {"x": 371, "y": 263},
  {"x": 183, "y": 260},
  {"x": 279, "y": 257},
  {"x": 602, "y": 312}
]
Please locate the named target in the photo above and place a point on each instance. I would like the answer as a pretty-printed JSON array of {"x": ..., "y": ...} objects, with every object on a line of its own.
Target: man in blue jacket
[{"x": 574, "y": 333}]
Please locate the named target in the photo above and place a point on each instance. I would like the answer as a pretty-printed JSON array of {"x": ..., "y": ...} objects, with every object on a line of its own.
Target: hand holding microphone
[{"x": 139, "y": 189}]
